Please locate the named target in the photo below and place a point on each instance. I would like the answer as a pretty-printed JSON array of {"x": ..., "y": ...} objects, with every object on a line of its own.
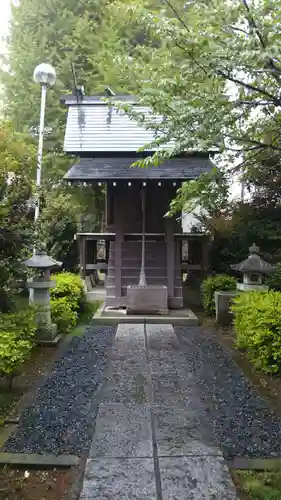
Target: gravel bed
[
  {"x": 63, "y": 414},
  {"x": 241, "y": 421}
]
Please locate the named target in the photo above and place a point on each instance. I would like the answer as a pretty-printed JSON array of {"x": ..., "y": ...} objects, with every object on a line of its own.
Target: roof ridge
[{"x": 96, "y": 99}]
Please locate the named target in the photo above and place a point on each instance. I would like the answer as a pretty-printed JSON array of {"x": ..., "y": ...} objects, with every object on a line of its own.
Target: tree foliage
[
  {"x": 210, "y": 285},
  {"x": 213, "y": 72},
  {"x": 84, "y": 34},
  {"x": 215, "y": 65},
  {"x": 16, "y": 222},
  {"x": 209, "y": 194},
  {"x": 60, "y": 33}
]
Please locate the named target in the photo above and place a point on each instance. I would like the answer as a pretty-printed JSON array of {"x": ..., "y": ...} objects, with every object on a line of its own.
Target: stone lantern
[
  {"x": 41, "y": 284},
  {"x": 254, "y": 268}
]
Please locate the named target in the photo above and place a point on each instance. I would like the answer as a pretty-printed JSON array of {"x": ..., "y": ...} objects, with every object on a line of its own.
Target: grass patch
[
  {"x": 86, "y": 317},
  {"x": 253, "y": 485}
]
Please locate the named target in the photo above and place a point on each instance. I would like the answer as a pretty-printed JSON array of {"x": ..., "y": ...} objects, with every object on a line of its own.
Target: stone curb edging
[
  {"x": 245, "y": 463},
  {"x": 36, "y": 461}
]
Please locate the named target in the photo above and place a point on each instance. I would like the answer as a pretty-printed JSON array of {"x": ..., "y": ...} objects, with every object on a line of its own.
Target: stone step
[
  {"x": 136, "y": 244},
  {"x": 131, "y": 259},
  {"x": 137, "y": 255},
  {"x": 112, "y": 301},
  {"x": 110, "y": 289},
  {"x": 138, "y": 248},
  {"x": 136, "y": 264},
  {"x": 135, "y": 277},
  {"x": 134, "y": 270},
  {"x": 151, "y": 280}
]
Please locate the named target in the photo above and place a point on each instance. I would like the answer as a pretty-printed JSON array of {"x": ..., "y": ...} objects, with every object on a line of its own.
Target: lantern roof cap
[
  {"x": 40, "y": 260},
  {"x": 254, "y": 263}
]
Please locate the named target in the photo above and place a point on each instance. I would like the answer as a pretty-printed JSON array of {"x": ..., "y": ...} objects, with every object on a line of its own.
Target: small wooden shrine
[{"x": 143, "y": 262}]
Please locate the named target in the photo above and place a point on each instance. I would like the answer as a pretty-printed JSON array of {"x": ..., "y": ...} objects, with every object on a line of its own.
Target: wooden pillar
[
  {"x": 95, "y": 251},
  {"x": 118, "y": 263},
  {"x": 95, "y": 271},
  {"x": 118, "y": 240},
  {"x": 107, "y": 246},
  {"x": 170, "y": 256},
  {"x": 82, "y": 256},
  {"x": 205, "y": 255}
]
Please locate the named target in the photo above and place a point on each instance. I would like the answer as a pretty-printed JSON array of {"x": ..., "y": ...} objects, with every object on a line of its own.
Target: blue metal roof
[
  {"x": 110, "y": 140},
  {"x": 118, "y": 168},
  {"x": 93, "y": 126}
]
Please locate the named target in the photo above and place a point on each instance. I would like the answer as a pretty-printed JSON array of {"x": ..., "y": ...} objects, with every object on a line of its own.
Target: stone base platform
[
  {"x": 49, "y": 343},
  {"x": 146, "y": 299},
  {"x": 113, "y": 316}
]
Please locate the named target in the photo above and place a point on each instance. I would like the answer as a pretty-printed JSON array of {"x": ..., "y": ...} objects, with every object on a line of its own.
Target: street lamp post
[{"x": 45, "y": 75}]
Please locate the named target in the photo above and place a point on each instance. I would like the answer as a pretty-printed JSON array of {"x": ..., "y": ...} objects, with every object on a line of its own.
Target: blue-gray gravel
[
  {"x": 62, "y": 417},
  {"x": 242, "y": 424}
]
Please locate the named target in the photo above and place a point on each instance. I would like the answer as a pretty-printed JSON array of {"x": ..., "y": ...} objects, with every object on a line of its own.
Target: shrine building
[{"x": 144, "y": 260}]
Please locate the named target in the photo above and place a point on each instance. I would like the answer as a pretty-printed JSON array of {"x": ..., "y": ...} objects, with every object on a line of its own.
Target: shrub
[
  {"x": 22, "y": 323},
  {"x": 257, "y": 322},
  {"x": 63, "y": 314},
  {"x": 13, "y": 352},
  {"x": 17, "y": 332},
  {"x": 274, "y": 279},
  {"x": 210, "y": 285},
  {"x": 71, "y": 286}
]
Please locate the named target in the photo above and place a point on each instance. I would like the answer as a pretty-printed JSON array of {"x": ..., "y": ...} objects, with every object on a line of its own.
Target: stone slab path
[{"x": 152, "y": 440}]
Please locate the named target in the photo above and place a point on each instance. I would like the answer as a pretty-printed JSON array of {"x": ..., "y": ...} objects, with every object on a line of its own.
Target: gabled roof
[
  {"x": 70, "y": 99},
  {"x": 93, "y": 126},
  {"x": 118, "y": 168}
]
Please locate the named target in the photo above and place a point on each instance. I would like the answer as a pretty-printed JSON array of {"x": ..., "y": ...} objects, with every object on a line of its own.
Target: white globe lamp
[{"x": 44, "y": 74}]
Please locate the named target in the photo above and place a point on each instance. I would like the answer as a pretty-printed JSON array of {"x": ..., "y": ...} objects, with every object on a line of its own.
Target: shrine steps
[
  {"x": 113, "y": 316},
  {"x": 155, "y": 270}
]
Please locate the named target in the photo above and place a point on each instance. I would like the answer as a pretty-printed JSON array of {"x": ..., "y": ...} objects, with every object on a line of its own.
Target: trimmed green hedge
[
  {"x": 71, "y": 286},
  {"x": 257, "y": 322},
  {"x": 17, "y": 332},
  {"x": 68, "y": 300},
  {"x": 210, "y": 285},
  {"x": 63, "y": 314}
]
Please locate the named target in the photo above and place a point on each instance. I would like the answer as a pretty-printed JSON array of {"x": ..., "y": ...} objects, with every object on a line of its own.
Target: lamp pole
[
  {"x": 45, "y": 75},
  {"x": 40, "y": 150}
]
